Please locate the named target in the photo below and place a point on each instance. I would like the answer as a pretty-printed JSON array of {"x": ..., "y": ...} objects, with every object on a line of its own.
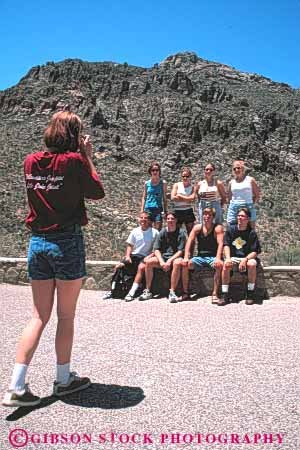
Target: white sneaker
[
  {"x": 107, "y": 295},
  {"x": 173, "y": 297},
  {"x": 129, "y": 298},
  {"x": 146, "y": 295}
]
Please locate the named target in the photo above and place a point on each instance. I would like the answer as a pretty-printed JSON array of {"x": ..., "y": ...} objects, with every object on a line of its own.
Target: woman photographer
[{"x": 57, "y": 181}]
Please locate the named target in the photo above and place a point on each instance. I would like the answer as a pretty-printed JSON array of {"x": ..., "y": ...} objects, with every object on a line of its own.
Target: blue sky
[{"x": 260, "y": 36}]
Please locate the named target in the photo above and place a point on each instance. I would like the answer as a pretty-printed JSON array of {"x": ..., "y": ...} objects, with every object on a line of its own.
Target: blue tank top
[{"x": 154, "y": 195}]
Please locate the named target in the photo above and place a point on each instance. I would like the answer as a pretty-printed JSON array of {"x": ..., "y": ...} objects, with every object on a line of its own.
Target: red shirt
[{"x": 56, "y": 185}]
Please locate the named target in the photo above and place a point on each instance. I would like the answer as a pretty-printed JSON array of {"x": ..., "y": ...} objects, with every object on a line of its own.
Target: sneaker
[
  {"x": 186, "y": 297},
  {"x": 107, "y": 295},
  {"x": 250, "y": 298},
  {"x": 224, "y": 300},
  {"x": 128, "y": 298},
  {"x": 20, "y": 398},
  {"x": 146, "y": 295},
  {"x": 74, "y": 384},
  {"x": 173, "y": 297}
]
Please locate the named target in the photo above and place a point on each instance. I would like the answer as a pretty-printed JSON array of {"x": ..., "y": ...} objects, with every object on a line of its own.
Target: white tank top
[
  {"x": 182, "y": 205},
  {"x": 242, "y": 191},
  {"x": 208, "y": 193}
]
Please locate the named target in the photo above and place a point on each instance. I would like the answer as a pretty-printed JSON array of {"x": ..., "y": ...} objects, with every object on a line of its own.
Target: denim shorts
[
  {"x": 155, "y": 214},
  {"x": 233, "y": 208},
  {"x": 59, "y": 255},
  {"x": 200, "y": 261}
]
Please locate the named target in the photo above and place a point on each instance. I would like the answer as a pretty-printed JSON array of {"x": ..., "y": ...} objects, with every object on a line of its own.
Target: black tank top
[{"x": 207, "y": 245}]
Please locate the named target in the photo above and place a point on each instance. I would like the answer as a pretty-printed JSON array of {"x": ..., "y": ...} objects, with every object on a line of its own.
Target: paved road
[{"x": 185, "y": 376}]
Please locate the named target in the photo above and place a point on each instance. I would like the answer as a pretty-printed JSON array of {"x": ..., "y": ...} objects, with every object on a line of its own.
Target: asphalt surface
[{"x": 167, "y": 376}]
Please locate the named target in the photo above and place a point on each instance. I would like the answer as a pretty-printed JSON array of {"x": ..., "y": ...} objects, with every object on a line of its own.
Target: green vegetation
[{"x": 289, "y": 256}]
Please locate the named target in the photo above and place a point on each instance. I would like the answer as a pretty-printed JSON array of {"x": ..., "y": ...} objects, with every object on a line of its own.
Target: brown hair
[
  {"x": 246, "y": 211},
  {"x": 212, "y": 210},
  {"x": 144, "y": 213},
  {"x": 63, "y": 131},
  {"x": 210, "y": 164},
  {"x": 171, "y": 213},
  {"x": 186, "y": 169},
  {"x": 152, "y": 165},
  {"x": 240, "y": 161}
]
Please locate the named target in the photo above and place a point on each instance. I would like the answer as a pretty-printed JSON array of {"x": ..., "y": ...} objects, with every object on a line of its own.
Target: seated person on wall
[
  {"x": 209, "y": 237},
  {"x": 168, "y": 250},
  {"x": 241, "y": 247},
  {"x": 139, "y": 245}
]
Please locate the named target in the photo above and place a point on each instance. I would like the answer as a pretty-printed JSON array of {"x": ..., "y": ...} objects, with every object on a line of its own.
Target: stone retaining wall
[{"x": 272, "y": 280}]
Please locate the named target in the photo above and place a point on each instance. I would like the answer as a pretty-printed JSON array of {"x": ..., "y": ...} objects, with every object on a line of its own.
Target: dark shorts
[
  {"x": 167, "y": 257},
  {"x": 132, "y": 268},
  {"x": 155, "y": 214},
  {"x": 59, "y": 255},
  {"x": 185, "y": 216}
]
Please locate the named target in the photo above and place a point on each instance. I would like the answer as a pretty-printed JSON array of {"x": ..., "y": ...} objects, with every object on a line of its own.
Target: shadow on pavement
[
  {"x": 106, "y": 396},
  {"x": 97, "y": 395},
  {"x": 25, "y": 410}
]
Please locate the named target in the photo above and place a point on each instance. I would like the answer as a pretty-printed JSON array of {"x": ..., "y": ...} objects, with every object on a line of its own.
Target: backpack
[{"x": 121, "y": 282}]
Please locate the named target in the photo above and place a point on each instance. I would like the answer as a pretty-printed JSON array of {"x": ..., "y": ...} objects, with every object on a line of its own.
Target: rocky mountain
[{"x": 182, "y": 111}]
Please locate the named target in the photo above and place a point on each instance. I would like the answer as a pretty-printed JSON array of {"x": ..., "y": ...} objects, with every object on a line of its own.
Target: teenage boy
[
  {"x": 241, "y": 247},
  {"x": 168, "y": 250},
  {"x": 209, "y": 237},
  {"x": 139, "y": 245}
]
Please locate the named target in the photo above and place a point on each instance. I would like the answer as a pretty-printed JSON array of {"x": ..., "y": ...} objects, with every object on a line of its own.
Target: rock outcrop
[{"x": 183, "y": 111}]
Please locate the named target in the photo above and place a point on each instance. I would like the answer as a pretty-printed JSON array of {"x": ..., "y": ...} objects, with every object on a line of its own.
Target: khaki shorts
[{"x": 237, "y": 261}]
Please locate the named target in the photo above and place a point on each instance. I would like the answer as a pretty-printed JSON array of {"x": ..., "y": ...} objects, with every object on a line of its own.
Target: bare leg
[
  {"x": 140, "y": 273},
  {"x": 67, "y": 295},
  {"x": 217, "y": 279},
  {"x": 226, "y": 275},
  {"x": 251, "y": 266},
  {"x": 186, "y": 276},
  {"x": 175, "y": 275},
  {"x": 43, "y": 297},
  {"x": 150, "y": 264}
]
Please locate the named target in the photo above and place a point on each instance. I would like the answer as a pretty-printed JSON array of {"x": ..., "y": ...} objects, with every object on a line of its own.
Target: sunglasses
[
  {"x": 236, "y": 168},
  {"x": 154, "y": 170},
  {"x": 185, "y": 176}
]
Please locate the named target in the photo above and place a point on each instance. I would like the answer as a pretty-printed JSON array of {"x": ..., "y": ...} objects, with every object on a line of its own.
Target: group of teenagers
[
  {"x": 172, "y": 248},
  {"x": 57, "y": 180}
]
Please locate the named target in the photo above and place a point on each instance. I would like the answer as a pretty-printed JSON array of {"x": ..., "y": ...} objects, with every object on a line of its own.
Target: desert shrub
[{"x": 290, "y": 256}]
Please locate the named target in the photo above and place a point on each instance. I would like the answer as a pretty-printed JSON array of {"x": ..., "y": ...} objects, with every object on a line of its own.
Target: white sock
[
  {"x": 133, "y": 289},
  {"x": 62, "y": 373},
  {"x": 251, "y": 286},
  {"x": 18, "y": 377},
  {"x": 225, "y": 288}
]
